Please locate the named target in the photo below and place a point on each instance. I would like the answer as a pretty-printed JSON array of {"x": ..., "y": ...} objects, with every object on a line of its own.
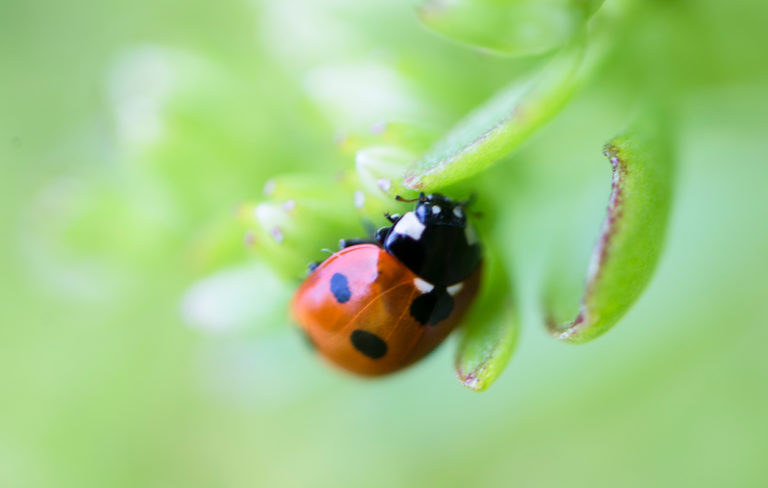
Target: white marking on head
[
  {"x": 409, "y": 225},
  {"x": 436, "y": 209},
  {"x": 457, "y": 212},
  {"x": 359, "y": 199},
  {"x": 471, "y": 235},
  {"x": 423, "y": 286},
  {"x": 453, "y": 290}
]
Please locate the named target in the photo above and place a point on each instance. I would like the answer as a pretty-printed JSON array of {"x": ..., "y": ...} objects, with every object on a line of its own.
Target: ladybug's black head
[
  {"x": 437, "y": 209},
  {"x": 434, "y": 240}
]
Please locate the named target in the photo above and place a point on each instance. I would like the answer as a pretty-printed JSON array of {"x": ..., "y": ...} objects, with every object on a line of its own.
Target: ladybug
[{"x": 376, "y": 307}]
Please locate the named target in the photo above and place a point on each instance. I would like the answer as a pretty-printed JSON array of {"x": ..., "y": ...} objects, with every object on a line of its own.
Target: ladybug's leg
[
  {"x": 311, "y": 267},
  {"x": 392, "y": 218},
  {"x": 381, "y": 234}
]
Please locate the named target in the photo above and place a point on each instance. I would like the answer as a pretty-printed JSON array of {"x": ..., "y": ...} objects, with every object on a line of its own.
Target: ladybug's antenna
[
  {"x": 469, "y": 201},
  {"x": 420, "y": 198}
]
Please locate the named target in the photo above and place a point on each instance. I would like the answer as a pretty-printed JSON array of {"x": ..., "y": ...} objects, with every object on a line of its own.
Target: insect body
[{"x": 376, "y": 308}]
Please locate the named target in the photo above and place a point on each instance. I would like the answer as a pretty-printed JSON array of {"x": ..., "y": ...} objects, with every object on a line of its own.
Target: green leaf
[
  {"x": 379, "y": 169},
  {"x": 303, "y": 215},
  {"x": 631, "y": 238},
  {"x": 489, "y": 335},
  {"x": 513, "y": 28},
  {"x": 499, "y": 126},
  {"x": 403, "y": 135}
]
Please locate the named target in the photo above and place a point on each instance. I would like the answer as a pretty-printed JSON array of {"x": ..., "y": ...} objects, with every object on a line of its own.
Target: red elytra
[{"x": 368, "y": 313}]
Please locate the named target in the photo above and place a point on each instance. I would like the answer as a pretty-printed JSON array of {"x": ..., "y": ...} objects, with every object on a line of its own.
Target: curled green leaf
[
  {"x": 499, "y": 126},
  {"x": 632, "y": 234},
  {"x": 489, "y": 335},
  {"x": 513, "y": 28}
]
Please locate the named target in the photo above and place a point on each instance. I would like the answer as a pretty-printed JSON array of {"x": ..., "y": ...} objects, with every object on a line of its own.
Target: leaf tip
[
  {"x": 566, "y": 331},
  {"x": 472, "y": 381}
]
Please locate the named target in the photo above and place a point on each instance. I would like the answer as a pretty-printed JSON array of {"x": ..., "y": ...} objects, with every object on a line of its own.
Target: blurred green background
[{"x": 141, "y": 347}]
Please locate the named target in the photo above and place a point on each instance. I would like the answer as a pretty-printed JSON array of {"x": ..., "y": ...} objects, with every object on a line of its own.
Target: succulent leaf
[
  {"x": 489, "y": 335},
  {"x": 512, "y": 28},
  {"x": 499, "y": 126},
  {"x": 630, "y": 241}
]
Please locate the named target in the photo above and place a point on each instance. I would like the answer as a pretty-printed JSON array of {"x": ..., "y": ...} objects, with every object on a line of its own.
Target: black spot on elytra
[
  {"x": 368, "y": 343},
  {"x": 433, "y": 307},
  {"x": 340, "y": 288}
]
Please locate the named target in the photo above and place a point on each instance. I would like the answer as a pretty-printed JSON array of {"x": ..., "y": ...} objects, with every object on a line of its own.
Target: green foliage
[
  {"x": 499, "y": 126},
  {"x": 489, "y": 335},
  {"x": 145, "y": 343},
  {"x": 630, "y": 242},
  {"x": 515, "y": 28},
  {"x": 304, "y": 214}
]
